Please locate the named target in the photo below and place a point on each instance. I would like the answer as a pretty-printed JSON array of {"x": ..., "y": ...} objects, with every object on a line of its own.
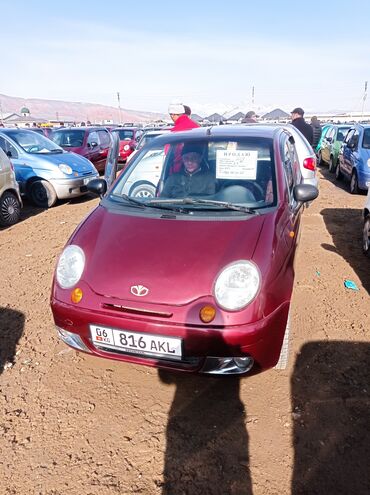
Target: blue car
[
  {"x": 43, "y": 170},
  {"x": 354, "y": 158}
]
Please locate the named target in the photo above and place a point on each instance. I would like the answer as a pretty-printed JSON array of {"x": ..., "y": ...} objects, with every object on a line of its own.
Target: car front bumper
[
  {"x": 71, "y": 188},
  {"x": 206, "y": 349}
]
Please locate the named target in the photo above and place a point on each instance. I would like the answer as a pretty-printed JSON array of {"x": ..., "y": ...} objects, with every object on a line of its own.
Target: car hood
[
  {"x": 176, "y": 259},
  {"x": 77, "y": 162}
]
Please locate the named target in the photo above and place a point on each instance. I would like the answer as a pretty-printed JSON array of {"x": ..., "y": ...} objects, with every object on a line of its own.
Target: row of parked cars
[
  {"x": 345, "y": 149},
  {"x": 57, "y": 166}
]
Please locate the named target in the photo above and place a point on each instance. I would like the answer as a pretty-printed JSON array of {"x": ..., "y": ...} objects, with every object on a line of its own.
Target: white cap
[{"x": 176, "y": 108}]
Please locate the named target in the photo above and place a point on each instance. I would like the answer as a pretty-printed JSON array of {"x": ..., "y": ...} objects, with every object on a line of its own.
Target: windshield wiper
[
  {"x": 148, "y": 204},
  {"x": 56, "y": 150},
  {"x": 206, "y": 202}
]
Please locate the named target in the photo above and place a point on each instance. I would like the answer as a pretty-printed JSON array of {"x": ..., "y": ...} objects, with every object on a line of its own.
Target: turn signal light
[
  {"x": 309, "y": 163},
  {"x": 76, "y": 295},
  {"x": 207, "y": 314}
]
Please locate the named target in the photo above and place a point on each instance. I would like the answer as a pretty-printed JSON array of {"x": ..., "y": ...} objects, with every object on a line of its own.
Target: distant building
[{"x": 276, "y": 114}]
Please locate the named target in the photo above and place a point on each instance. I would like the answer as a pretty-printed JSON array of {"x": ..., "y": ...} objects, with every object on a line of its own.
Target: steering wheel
[{"x": 256, "y": 189}]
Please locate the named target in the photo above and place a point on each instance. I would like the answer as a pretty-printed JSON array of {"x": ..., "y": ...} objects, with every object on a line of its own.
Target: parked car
[
  {"x": 330, "y": 145},
  {"x": 91, "y": 142},
  {"x": 366, "y": 226},
  {"x": 10, "y": 198},
  {"x": 191, "y": 282},
  {"x": 44, "y": 171},
  {"x": 129, "y": 137},
  {"x": 354, "y": 158},
  {"x": 147, "y": 138},
  {"x": 324, "y": 130}
]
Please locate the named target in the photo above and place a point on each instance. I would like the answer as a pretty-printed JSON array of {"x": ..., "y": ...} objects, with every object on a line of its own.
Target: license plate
[{"x": 137, "y": 343}]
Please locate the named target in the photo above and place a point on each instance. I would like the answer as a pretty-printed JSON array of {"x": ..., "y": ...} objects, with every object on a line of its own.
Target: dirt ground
[{"x": 76, "y": 424}]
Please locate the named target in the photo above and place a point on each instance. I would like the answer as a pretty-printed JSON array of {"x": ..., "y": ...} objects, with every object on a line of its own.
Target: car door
[
  {"x": 21, "y": 168},
  {"x": 326, "y": 144},
  {"x": 293, "y": 176},
  {"x": 350, "y": 153},
  {"x": 111, "y": 166},
  {"x": 104, "y": 145},
  {"x": 93, "y": 149},
  {"x": 344, "y": 153}
]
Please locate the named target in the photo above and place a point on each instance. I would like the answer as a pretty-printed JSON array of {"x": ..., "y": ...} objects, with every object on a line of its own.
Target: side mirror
[
  {"x": 329, "y": 139},
  {"x": 97, "y": 186},
  {"x": 9, "y": 154},
  {"x": 303, "y": 193}
]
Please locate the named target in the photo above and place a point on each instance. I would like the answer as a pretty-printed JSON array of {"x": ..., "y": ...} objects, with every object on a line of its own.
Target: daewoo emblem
[{"x": 139, "y": 290}]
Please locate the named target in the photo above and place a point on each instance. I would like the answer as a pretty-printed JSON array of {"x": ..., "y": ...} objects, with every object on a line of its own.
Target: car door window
[
  {"x": 8, "y": 148},
  {"x": 291, "y": 168},
  {"x": 349, "y": 135},
  {"x": 93, "y": 138},
  {"x": 366, "y": 139},
  {"x": 354, "y": 140},
  {"x": 104, "y": 138}
]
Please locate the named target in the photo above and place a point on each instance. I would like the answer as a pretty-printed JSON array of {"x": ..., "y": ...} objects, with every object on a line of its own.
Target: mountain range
[{"x": 75, "y": 111}]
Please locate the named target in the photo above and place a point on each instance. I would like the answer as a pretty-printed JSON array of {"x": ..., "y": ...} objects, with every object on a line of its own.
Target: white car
[
  {"x": 146, "y": 138},
  {"x": 366, "y": 227}
]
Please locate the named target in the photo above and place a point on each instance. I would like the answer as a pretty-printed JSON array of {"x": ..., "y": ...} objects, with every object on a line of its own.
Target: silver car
[{"x": 10, "y": 199}]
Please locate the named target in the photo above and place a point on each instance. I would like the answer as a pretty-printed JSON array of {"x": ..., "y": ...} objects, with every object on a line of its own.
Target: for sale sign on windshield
[{"x": 236, "y": 164}]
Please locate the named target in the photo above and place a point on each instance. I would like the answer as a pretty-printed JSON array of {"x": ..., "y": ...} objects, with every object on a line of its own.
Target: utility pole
[
  {"x": 252, "y": 96},
  {"x": 1, "y": 114},
  {"x": 363, "y": 100},
  {"x": 119, "y": 108}
]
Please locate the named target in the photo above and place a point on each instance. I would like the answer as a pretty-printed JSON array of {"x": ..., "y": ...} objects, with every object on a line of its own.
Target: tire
[
  {"x": 338, "y": 172},
  {"x": 319, "y": 159},
  {"x": 366, "y": 236},
  {"x": 353, "y": 185},
  {"x": 143, "y": 189},
  {"x": 284, "y": 352},
  {"x": 10, "y": 209},
  {"x": 42, "y": 194},
  {"x": 332, "y": 164}
]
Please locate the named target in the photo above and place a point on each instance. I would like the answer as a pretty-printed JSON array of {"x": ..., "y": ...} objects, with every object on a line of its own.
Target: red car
[
  {"x": 199, "y": 277},
  {"x": 128, "y": 139},
  {"x": 91, "y": 142}
]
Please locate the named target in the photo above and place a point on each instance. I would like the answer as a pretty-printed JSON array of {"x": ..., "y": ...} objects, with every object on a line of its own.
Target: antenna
[
  {"x": 363, "y": 100},
  {"x": 119, "y": 108}
]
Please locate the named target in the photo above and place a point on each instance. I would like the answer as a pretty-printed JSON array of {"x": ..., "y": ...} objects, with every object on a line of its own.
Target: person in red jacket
[
  {"x": 179, "y": 113},
  {"x": 182, "y": 121}
]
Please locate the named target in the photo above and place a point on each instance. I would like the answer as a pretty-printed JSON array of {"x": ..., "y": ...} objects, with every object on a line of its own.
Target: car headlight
[
  {"x": 237, "y": 285},
  {"x": 126, "y": 147},
  {"x": 66, "y": 169},
  {"x": 70, "y": 266}
]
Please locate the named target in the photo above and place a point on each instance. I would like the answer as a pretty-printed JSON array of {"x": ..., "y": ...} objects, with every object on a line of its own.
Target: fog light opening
[{"x": 244, "y": 363}]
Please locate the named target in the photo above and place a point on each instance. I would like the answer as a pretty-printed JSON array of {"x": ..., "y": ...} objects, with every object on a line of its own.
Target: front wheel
[
  {"x": 366, "y": 236},
  {"x": 10, "y": 209},
  {"x": 42, "y": 194},
  {"x": 353, "y": 186},
  {"x": 143, "y": 189}
]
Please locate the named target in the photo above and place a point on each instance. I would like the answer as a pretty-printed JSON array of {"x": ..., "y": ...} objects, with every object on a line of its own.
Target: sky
[{"x": 215, "y": 56}]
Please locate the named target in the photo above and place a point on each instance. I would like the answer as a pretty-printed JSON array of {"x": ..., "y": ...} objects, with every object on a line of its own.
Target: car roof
[
  {"x": 127, "y": 128},
  {"x": 223, "y": 131}
]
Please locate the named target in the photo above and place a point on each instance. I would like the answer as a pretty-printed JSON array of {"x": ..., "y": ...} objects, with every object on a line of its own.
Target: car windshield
[
  {"x": 147, "y": 138},
  {"x": 71, "y": 138},
  {"x": 366, "y": 140},
  {"x": 125, "y": 134},
  {"x": 212, "y": 174},
  {"x": 342, "y": 131},
  {"x": 33, "y": 142}
]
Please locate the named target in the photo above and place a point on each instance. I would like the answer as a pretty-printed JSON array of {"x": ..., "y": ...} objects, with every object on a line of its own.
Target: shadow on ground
[
  {"x": 345, "y": 227},
  {"x": 11, "y": 330},
  {"x": 330, "y": 403},
  {"x": 207, "y": 441}
]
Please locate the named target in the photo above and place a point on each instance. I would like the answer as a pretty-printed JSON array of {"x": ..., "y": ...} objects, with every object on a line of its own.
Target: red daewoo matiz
[{"x": 198, "y": 276}]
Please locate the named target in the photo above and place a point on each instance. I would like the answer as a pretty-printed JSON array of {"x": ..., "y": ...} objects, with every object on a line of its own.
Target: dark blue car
[{"x": 354, "y": 158}]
